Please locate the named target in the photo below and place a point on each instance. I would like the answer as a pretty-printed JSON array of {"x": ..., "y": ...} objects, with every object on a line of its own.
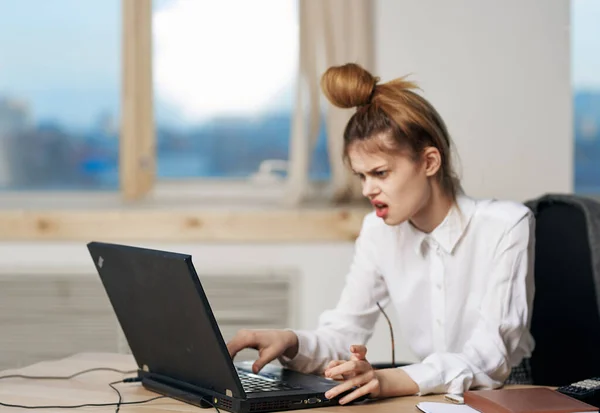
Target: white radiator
[{"x": 48, "y": 316}]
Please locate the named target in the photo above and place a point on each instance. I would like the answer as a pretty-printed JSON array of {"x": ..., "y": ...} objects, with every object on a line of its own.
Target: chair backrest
[{"x": 566, "y": 316}]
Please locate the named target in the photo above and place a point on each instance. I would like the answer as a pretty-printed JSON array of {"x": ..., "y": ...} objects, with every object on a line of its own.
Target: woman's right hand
[{"x": 269, "y": 343}]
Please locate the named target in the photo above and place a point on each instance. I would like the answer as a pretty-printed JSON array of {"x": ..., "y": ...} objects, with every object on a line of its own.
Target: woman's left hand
[{"x": 357, "y": 372}]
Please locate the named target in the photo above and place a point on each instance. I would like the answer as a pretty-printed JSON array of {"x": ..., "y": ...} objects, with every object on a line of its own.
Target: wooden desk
[{"x": 93, "y": 388}]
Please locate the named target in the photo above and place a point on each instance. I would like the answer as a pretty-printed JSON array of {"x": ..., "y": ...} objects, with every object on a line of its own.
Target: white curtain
[{"x": 332, "y": 32}]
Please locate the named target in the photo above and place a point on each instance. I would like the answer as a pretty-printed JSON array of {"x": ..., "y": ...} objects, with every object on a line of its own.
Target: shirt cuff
[
  {"x": 299, "y": 360},
  {"x": 426, "y": 376}
]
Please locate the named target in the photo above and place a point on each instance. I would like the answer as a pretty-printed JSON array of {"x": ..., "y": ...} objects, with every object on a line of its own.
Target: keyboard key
[{"x": 254, "y": 383}]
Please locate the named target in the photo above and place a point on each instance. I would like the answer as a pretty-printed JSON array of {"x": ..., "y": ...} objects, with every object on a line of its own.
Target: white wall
[{"x": 498, "y": 72}]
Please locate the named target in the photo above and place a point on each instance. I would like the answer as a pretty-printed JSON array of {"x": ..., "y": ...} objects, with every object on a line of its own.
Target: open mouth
[{"x": 381, "y": 209}]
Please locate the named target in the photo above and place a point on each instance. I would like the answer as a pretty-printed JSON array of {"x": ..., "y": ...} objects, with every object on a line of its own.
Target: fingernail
[
  {"x": 343, "y": 401},
  {"x": 328, "y": 395}
]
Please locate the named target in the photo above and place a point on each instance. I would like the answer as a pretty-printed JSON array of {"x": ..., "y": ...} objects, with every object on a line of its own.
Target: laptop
[{"x": 173, "y": 335}]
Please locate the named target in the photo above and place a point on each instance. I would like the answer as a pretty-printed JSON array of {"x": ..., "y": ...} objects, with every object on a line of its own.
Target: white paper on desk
[{"x": 434, "y": 407}]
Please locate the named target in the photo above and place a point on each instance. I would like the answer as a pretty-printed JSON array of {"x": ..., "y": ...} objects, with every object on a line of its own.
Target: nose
[{"x": 369, "y": 188}]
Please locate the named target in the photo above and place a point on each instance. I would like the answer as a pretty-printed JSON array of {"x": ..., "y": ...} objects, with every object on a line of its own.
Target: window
[
  {"x": 224, "y": 83},
  {"x": 224, "y": 87},
  {"x": 59, "y": 94},
  {"x": 586, "y": 82},
  {"x": 87, "y": 87}
]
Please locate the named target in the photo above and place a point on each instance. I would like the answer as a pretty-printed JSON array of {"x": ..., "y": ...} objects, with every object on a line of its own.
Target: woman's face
[{"x": 397, "y": 186}]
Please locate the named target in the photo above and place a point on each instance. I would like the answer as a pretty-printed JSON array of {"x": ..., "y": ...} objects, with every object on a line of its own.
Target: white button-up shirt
[{"x": 463, "y": 294}]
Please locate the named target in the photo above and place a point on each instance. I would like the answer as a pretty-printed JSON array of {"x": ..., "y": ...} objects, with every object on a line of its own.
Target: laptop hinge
[{"x": 184, "y": 386}]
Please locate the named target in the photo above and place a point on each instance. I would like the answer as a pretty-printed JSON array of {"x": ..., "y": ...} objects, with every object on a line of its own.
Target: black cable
[
  {"x": 112, "y": 385},
  {"x": 391, "y": 334},
  {"x": 212, "y": 404},
  {"x": 79, "y": 405},
  {"x": 21, "y": 376}
]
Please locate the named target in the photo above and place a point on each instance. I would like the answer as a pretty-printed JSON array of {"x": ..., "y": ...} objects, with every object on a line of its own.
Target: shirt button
[
  {"x": 439, "y": 286},
  {"x": 439, "y": 322}
]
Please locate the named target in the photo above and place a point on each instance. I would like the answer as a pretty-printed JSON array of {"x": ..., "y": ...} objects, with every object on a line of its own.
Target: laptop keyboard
[{"x": 254, "y": 383}]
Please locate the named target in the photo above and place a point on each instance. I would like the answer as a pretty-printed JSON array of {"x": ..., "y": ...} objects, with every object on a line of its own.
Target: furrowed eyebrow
[{"x": 370, "y": 171}]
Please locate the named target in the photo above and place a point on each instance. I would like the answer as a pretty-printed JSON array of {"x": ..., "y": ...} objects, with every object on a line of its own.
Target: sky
[
  {"x": 252, "y": 63},
  {"x": 65, "y": 57},
  {"x": 585, "y": 44}
]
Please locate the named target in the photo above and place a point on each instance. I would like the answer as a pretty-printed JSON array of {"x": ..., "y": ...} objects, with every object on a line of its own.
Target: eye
[
  {"x": 360, "y": 176},
  {"x": 381, "y": 174}
]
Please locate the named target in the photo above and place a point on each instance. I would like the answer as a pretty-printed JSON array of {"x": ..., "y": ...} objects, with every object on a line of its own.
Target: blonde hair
[{"x": 390, "y": 110}]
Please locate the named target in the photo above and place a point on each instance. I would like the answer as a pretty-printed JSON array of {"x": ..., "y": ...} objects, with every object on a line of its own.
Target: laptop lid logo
[{"x": 100, "y": 262}]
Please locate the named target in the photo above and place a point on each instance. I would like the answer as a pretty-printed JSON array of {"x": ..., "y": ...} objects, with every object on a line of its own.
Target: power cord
[
  {"x": 22, "y": 376},
  {"x": 112, "y": 385},
  {"x": 80, "y": 405}
]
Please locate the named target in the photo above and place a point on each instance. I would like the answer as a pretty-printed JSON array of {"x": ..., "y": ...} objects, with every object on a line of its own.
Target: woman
[{"x": 458, "y": 271}]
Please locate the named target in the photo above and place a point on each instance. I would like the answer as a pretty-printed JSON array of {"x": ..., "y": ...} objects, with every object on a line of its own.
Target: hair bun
[{"x": 348, "y": 86}]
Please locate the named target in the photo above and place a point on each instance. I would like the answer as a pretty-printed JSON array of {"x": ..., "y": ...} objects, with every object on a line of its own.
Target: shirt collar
[{"x": 450, "y": 231}]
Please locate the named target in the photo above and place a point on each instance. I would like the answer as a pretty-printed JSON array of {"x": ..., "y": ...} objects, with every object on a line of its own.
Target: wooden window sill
[{"x": 181, "y": 224}]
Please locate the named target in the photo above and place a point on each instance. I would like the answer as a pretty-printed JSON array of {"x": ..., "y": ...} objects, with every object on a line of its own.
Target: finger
[
  {"x": 334, "y": 363},
  {"x": 348, "y": 376},
  {"x": 344, "y": 369},
  {"x": 359, "y": 392},
  {"x": 354, "y": 366},
  {"x": 243, "y": 339},
  {"x": 266, "y": 356},
  {"x": 359, "y": 351},
  {"x": 357, "y": 381},
  {"x": 340, "y": 388},
  {"x": 345, "y": 376}
]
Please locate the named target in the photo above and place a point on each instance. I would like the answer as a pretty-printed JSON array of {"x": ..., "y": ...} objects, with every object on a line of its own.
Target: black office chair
[{"x": 566, "y": 310}]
